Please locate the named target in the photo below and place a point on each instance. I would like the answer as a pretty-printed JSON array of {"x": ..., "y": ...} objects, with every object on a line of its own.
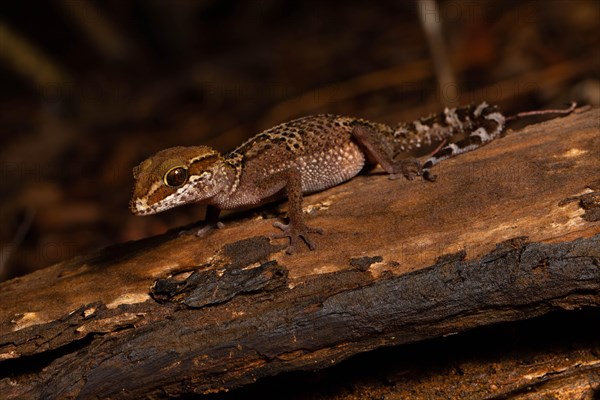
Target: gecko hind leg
[{"x": 371, "y": 143}]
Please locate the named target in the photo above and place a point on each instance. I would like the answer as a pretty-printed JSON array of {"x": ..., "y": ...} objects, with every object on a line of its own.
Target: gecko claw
[
  {"x": 293, "y": 232},
  {"x": 209, "y": 227}
]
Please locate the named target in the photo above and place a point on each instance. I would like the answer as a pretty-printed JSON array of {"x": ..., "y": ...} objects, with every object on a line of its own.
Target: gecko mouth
[{"x": 140, "y": 207}]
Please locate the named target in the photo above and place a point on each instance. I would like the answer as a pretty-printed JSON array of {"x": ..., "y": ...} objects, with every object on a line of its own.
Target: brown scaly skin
[{"x": 302, "y": 156}]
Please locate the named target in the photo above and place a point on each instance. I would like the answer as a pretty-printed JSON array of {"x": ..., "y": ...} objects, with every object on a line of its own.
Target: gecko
[{"x": 303, "y": 156}]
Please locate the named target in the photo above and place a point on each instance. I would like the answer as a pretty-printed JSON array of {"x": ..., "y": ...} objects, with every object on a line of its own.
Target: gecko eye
[{"x": 176, "y": 177}]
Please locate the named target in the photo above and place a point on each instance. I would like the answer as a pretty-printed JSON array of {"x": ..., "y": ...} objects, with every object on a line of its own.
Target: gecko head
[{"x": 177, "y": 176}]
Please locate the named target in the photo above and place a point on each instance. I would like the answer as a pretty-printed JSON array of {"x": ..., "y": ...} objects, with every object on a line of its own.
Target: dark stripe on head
[{"x": 202, "y": 164}]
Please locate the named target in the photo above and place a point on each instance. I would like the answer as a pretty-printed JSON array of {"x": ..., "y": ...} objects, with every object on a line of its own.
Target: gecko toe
[
  {"x": 294, "y": 233},
  {"x": 311, "y": 245},
  {"x": 281, "y": 226},
  {"x": 203, "y": 231},
  {"x": 409, "y": 169},
  {"x": 291, "y": 249}
]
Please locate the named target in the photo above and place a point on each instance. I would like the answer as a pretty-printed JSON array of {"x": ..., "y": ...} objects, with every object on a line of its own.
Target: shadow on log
[{"x": 509, "y": 232}]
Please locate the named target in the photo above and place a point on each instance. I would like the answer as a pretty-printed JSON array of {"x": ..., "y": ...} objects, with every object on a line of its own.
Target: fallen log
[{"x": 508, "y": 232}]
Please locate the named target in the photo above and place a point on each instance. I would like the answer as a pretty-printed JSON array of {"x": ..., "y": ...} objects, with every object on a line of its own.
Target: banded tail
[{"x": 483, "y": 122}]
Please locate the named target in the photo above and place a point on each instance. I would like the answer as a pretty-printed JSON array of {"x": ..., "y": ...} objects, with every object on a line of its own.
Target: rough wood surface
[
  {"x": 555, "y": 356},
  {"x": 400, "y": 261}
]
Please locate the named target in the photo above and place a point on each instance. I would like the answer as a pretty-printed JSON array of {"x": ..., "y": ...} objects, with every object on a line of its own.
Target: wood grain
[{"x": 508, "y": 232}]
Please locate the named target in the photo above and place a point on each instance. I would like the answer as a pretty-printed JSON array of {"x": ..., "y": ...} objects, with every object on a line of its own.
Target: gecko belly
[{"x": 330, "y": 167}]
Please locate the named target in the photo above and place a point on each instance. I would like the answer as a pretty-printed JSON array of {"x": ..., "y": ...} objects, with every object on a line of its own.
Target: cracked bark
[{"x": 509, "y": 232}]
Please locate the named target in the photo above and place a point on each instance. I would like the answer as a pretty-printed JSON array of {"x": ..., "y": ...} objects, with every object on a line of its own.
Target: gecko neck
[{"x": 230, "y": 178}]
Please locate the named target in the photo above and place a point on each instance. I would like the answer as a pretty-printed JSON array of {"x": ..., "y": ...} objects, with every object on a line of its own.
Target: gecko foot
[
  {"x": 409, "y": 168},
  {"x": 294, "y": 232},
  {"x": 206, "y": 228}
]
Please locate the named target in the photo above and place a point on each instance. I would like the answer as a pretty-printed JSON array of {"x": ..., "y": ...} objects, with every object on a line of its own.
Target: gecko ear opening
[{"x": 176, "y": 177}]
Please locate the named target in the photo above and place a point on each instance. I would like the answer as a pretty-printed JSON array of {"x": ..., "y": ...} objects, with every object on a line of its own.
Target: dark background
[{"x": 91, "y": 88}]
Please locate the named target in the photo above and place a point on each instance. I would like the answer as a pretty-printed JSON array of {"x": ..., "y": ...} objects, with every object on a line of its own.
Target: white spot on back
[
  {"x": 482, "y": 133},
  {"x": 479, "y": 109}
]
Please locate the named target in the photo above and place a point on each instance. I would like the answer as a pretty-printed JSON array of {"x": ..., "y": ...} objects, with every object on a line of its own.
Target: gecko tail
[{"x": 484, "y": 122}]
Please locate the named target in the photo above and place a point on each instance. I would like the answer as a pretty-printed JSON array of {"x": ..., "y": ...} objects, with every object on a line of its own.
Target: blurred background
[{"x": 91, "y": 88}]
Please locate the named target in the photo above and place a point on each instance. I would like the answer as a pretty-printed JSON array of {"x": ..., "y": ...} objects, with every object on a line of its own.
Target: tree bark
[{"x": 508, "y": 232}]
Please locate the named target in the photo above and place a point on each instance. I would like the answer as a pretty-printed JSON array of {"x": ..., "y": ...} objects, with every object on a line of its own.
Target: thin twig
[
  {"x": 431, "y": 21},
  {"x": 24, "y": 58},
  {"x": 568, "y": 110},
  {"x": 106, "y": 38}
]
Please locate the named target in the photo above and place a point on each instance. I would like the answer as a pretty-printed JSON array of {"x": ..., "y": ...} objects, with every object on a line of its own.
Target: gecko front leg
[
  {"x": 211, "y": 221},
  {"x": 296, "y": 228}
]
